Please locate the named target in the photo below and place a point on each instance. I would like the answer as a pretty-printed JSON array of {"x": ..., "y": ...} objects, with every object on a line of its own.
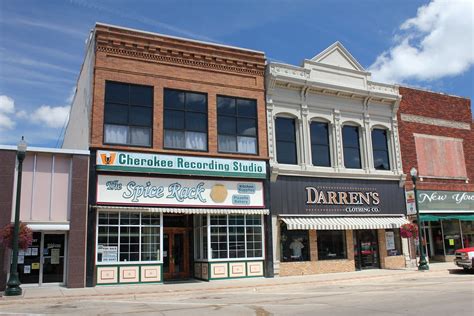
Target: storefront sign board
[
  {"x": 429, "y": 201},
  {"x": 179, "y": 165},
  {"x": 158, "y": 191},
  {"x": 411, "y": 203}
]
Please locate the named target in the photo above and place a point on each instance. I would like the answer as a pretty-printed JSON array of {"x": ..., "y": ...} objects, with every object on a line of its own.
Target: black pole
[
  {"x": 423, "y": 264},
  {"x": 13, "y": 284}
]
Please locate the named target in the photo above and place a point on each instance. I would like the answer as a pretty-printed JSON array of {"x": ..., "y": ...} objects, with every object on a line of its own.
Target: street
[{"x": 447, "y": 292}]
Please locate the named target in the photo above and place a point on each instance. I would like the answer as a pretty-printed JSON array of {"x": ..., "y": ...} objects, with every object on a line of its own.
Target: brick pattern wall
[
  {"x": 7, "y": 176},
  {"x": 162, "y": 62},
  {"x": 438, "y": 106},
  {"x": 386, "y": 262}
]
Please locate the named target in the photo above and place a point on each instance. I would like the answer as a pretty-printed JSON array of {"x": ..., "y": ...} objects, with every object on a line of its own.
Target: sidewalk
[{"x": 130, "y": 291}]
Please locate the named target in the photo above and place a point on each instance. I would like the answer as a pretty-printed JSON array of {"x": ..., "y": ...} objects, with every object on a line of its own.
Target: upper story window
[
  {"x": 285, "y": 133},
  {"x": 128, "y": 114},
  {"x": 351, "y": 144},
  {"x": 185, "y": 120},
  {"x": 320, "y": 150},
  {"x": 237, "y": 125},
  {"x": 380, "y": 149}
]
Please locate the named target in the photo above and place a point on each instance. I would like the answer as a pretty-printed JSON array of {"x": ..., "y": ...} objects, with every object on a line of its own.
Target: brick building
[
  {"x": 178, "y": 168},
  {"x": 436, "y": 137},
  {"x": 53, "y": 203}
]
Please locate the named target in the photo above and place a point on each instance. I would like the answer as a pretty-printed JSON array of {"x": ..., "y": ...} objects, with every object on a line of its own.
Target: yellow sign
[
  {"x": 451, "y": 242},
  {"x": 35, "y": 266}
]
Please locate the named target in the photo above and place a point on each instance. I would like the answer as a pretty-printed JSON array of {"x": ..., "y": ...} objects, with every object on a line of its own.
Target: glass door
[
  {"x": 366, "y": 252},
  {"x": 53, "y": 258},
  {"x": 29, "y": 262}
]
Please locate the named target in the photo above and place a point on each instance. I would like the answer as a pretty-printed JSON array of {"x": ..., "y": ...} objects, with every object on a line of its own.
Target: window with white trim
[{"x": 128, "y": 237}]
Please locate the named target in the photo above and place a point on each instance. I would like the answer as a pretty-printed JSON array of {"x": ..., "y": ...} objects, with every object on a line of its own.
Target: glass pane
[
  {"x": 196, "y": 102},
  {"x": 246, "y": 127},
  {"x": 53, "y": 261},
  {"x": 331, "y": 245},
  {"x": 452, "y": 236},
  {"x": 140, "y": 115},
  {"x": 197, "y": 141},
  {"x": 173, "y": 99},
  {"x": 294, "y": 245},
  {"x": 350, "y": 136},
  {"x": 320, "y": 155},
  {"x": 226, "y": 105},
  {"x": 286, "y": 152},
  {"x": 285, "y": 129},
  {"x": 174, "y": 139},
  {"x": 227, "y": 125},
  {"x": 379, "y": 139},
  {"x": 247, "y": 108},
  {"x": 116, "y": 134},
  {"x": 196, "y": 122},
  {"x": 227, "y": 143},
  {"x": 116, "y": 92},
  {"x": 174, "y": 119},
  {"x": 381, "y": 161},
  {"x": 140, "y": 136},
  {"x": 468, "y": 233},
  {"x": 28, "y": 275},
  {"x": 247, "y": 145},
  {"x": 141, "y": 95},
  {"x": 319, "y": 133},
  {"x": 352, "y": 158},
  {"x": 116, "y": 113}
]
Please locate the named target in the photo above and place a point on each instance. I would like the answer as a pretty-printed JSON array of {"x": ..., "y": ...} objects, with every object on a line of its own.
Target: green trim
[
  {"x": 246, "y": 276},
  {"x": 435, "y": 218},
  {"x": 182, "y": 172}
]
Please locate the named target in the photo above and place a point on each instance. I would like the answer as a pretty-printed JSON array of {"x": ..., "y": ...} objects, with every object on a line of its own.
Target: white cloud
[
  {"x": 54, "y": 117},
  {"x": 7, "y": 107},
  {"x": 438, "y": 42}
]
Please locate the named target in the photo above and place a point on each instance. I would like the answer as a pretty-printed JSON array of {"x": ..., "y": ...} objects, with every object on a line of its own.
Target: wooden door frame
[{"x": 171, "y": 231}]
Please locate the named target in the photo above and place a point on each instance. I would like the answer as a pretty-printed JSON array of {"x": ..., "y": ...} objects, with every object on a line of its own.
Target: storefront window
[
  {"x": 467, "y": 233},
  {"x": 437, "y": 235},
  {"x": 128, "y": 237},
  {"x": 294, "y": 245},
  {"x": 393, "y": 242},
  {"x": 232, "y": 236},
  {"x": 331, "y": 244},
  {"x": 452, "y": 236}
]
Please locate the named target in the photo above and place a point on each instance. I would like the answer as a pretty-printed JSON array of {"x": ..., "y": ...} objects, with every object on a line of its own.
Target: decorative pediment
[{"x": 337, "y": 55}]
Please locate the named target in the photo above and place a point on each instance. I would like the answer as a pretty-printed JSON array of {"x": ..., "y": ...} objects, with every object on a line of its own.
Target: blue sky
[{"x": 419, "y": 43}]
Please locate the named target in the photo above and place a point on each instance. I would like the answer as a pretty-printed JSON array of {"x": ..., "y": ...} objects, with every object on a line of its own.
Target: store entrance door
[
  {"x": 175, "y": 254},
  {"x": 43, "y": 261},
  {"x": 366, "y": 252}
]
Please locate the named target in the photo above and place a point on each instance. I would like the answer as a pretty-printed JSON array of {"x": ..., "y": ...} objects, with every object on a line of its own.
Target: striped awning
[
  {"x": 178, "y": 210},
  {"x": 343, "y": 223}
]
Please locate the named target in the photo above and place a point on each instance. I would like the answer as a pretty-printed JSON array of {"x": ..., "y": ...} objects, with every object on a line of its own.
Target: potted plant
[
  {"x": 409, "y": 231},
  {"x": 25, "y": 236}
]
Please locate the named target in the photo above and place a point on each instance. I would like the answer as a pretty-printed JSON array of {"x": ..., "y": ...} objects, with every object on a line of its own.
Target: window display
[
  {"x": 294, "y": 245},
  {"x": 393, "y": 242},
  {"x": 331, "y": 244}
]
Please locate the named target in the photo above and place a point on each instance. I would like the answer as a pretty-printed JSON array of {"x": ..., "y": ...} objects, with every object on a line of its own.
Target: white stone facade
[{"x": 334, "y": 88}]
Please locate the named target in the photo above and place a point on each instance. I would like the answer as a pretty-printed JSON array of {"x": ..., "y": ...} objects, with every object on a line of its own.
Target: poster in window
[
  {"x": 34, "y": 251},
  {"x": 21, "y": 259},
  {"x": 35, "y": 266},
  {"x": 109, "y": 253},
  {"x": 390, "y": 240},
  {"x": 26, "y": 269},
  {"x": 55, "y": 256}
]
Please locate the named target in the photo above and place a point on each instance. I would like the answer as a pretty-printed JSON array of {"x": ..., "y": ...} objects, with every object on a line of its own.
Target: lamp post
[
  {"x": 423, "y": 264},
  {"x": 13, "y": 284}
]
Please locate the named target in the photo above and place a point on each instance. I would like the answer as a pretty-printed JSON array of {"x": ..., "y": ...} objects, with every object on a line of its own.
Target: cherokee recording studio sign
[
  {"x": 123, "y": 190},
  {"x": 302, "y": 195},
  {"x": 184, "y": 165}
]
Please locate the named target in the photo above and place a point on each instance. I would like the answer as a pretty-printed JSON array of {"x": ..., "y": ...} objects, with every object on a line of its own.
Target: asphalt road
[{"x": 450, "y": 293}]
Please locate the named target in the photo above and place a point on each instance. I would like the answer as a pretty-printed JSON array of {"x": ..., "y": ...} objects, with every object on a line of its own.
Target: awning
[
  {"x": 343, "y": 223},
  {"x": 435, "y": 218},
  {"x": 178, "y": 210}
]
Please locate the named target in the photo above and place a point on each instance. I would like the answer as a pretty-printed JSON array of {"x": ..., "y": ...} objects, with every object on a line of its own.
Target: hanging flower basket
[
  {"x": 409, "y": 231},
  {"x": 25, "y": 236}
]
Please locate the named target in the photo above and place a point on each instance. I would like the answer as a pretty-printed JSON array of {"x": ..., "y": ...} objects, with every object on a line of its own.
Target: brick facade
[
  {"x": 166, "y": 62},
  {"x": 451, "y": 110}
]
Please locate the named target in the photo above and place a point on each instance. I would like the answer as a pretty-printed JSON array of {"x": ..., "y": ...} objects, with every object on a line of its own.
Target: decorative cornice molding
[{"x": 434, "y": 121}]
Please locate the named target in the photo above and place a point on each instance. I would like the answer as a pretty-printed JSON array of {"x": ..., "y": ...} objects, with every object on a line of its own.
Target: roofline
[
  {"x": 48, "y": 150},
  {"x": 431, "y": 91},
  {"x": 180, "y": 38}
]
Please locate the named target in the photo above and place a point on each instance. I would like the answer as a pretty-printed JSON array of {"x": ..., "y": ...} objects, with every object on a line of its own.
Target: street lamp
[
  {"x": 422, "y": 265},
  {"x": 13, "y": 284}
]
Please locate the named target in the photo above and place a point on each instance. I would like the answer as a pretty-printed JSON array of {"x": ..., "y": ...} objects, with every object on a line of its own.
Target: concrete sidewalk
[{"x": 130, "y": 291}]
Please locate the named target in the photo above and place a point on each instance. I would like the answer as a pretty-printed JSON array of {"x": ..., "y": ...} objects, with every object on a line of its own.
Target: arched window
[
  {"x": 380, "y": 149},
  {"x": 285, "y": 134},
  {"x": 351, "y": 144},
  {"x": 320, "y": 150}
]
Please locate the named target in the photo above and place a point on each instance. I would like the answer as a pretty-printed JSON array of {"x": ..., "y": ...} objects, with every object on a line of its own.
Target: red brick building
[
  {"x": 436, "y": 137},
  {"x": 177, "y": 134}
]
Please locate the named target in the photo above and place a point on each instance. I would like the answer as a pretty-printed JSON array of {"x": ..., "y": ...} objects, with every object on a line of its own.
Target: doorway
[
  {"x": 43, "y": 262},
  {"x": 176, "y": 253},
  {"x": 366, "y": 252}
]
